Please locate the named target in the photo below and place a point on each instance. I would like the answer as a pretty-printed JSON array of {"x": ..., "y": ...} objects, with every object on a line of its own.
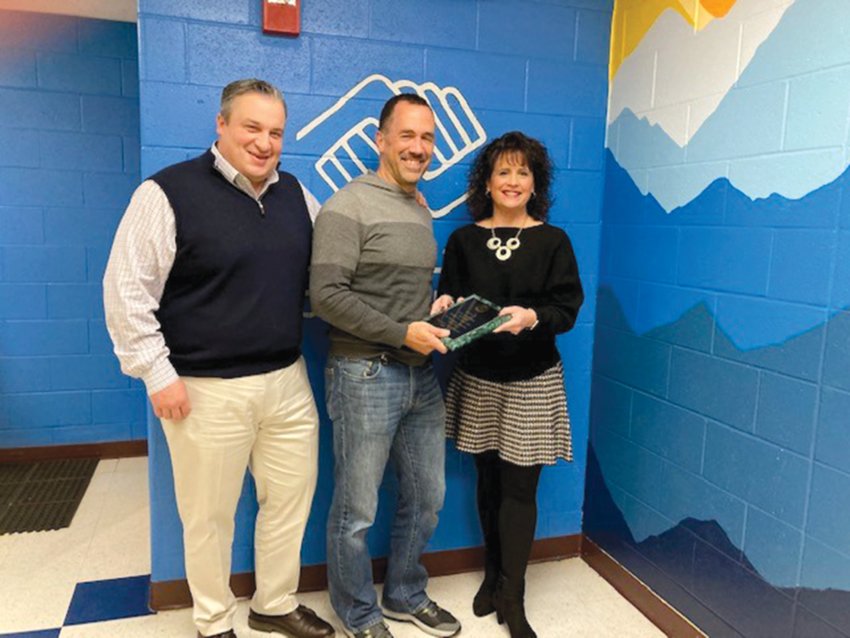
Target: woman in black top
[{"x": 506, "y": 402}]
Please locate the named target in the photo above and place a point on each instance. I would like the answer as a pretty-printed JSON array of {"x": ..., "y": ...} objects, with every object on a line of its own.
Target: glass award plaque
[{"x": 468, "y": 320}]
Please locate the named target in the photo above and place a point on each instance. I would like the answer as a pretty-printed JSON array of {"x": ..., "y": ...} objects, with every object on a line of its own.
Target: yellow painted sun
[{"x": 633, "y": 18}]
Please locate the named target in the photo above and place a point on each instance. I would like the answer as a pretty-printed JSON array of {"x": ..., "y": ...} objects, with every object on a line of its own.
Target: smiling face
[
  {"x": 406, "y": 145},
  {"x": 511, "y": 183},
  {"x": 251, "y": 137}
]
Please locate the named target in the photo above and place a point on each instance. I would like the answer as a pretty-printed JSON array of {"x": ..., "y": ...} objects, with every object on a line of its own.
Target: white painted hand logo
[{"x": 458, "y": 133}]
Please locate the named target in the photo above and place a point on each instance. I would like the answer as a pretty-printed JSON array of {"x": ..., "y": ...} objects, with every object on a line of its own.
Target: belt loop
[{"x": 384, "y": 358}]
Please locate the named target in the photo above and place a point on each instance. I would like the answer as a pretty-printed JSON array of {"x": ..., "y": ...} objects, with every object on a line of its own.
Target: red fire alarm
[{"x": 282, "y": 17}]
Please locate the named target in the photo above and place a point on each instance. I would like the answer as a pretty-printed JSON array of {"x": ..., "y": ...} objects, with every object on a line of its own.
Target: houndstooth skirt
[{"x": 527, "y": 421}]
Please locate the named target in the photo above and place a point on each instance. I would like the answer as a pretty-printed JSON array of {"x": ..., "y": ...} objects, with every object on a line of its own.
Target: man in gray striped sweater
[{"x": 373, "y": 259}]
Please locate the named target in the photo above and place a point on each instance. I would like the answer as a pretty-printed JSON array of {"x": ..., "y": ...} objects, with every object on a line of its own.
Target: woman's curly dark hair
[{"x": 535, "y": 155}]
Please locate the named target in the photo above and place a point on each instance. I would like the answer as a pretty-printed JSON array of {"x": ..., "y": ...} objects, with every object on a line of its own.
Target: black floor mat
[{"x": 44, "y": 495}]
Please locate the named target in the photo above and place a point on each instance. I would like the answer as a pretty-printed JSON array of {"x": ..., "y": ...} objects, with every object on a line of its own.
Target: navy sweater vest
[{"x": 232, "y": 305}]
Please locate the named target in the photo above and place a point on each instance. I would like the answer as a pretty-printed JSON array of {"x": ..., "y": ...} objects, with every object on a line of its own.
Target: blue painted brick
[
  {"x": 155, "y": 159},
  {"x": 676, "y": 315},
  {"x": 773, "y": 547},
  {"x": 26, "y": 338},
  {"x": 795, "y": 279},
  {"x": 22, "y": 302},
  {"x": 24, "y": 374},
  {"x": 786, "y": 412},
  {"x": 21, "y": 225},
  {"x": 736, "y": 260},
  {"x": 48, "y": 32},
  {"x": 110, "y": 115},
  {"x": 109, "y": 189},
  {"x": 833, "y": 433},
  {"x": 628, "y": 466},
  {"x": 635, "y": 361},
  {"x": 20, "y": 148},
  {"x": 580, "y": 197},
  {"x": 818, "y": 209},
  {"x": 130, "y": 78},
  {"x": 567, "y": 88},
  {"x": 75, "y": 301},
  {"x": 593, "y": 37},
  {"x": 89, "y": 372},
  {"x": 793, "y": 334},
  {"x": 587, "y": 143},
  {"x": 81, "y": 151},
  {"x": 132, "y": 155},
  {"x": 44, "y": 263},
  {"x": 497, "y": 84},
  {"x": 552, "y": 130},
  {"x": 224, "y": 11},
  {"x": 687, "y": 495},
  {"x": 165, "y": 50},
  {"x": 92, "y": 226},
  {"x": 248, "y": 53},
  {"x": 610, "y": 405},
  {"x": 107, "y": 38},
  {"x": 46, "y": 409},
  {"x": 39, "y": 187},
  {"x": 527, "y": 30},
  {"x": 180, "y": 114},
  {"x": 823, "y": 567},
  {"x": 669, "y": 431},
  {"x": 450, "y": 24},
  {"x": 96, "y": 259},
  {"x": 26, "y": 437},
  {"x": 836, "y": 372},
  {"x": 112, "y": 406},
  {"x": 585, "y": 241},
  {"x": 99, "y": 341},
  {"x": 643, "y": 252},
  {"x": 760, "y": 473},
  {"x": 841, "y": 280},
  {"x": 39, "y": 110},
  {"x": 338, "y": 64},
  {"x": 718, "y": 389},
  {"x": 617, "y": 300},
  {"x": 79, "y": 73},
  {"x": 830, "y": 500},
  {"x": 336, "y": 17},
  {"x": 88, "y": 433},
  {"x": 17, "y": 68}
]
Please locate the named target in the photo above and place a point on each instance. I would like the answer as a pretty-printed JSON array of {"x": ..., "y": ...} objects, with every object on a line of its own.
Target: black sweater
[
  {"x": 233, "y": 300},
  {"x": 541, "y": 274}
]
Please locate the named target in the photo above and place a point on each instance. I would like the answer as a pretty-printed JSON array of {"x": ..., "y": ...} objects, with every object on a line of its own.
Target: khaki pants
[{"x": 268, "y": 422}]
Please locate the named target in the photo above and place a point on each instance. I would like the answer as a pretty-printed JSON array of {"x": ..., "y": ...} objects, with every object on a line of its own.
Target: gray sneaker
[
  {"x": 432, "y": 619},
  {"x": 378, "y": 630}
]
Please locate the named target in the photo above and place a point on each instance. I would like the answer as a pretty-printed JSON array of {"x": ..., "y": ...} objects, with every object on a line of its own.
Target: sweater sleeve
[
  {"x": 337, "y": 246},
  {"x": 565, "y": 294}
]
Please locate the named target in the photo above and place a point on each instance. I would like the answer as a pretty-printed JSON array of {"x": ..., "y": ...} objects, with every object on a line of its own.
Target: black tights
[{"x": 507, "y": 508}]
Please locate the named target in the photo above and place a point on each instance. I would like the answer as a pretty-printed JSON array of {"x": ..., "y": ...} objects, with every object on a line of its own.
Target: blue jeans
[{"x": 382, "y": 410}]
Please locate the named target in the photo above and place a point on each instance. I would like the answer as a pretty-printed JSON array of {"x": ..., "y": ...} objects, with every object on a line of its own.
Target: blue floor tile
[
  {"x": 42, "y": 633},
  {"x": 101, "y": 600}
]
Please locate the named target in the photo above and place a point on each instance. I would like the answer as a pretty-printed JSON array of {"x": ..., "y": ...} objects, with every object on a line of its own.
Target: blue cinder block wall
[
  {"x": 69, "y": 135},
  {"x": 540, "y": 67},
  {"x": 719, "y": 467}
]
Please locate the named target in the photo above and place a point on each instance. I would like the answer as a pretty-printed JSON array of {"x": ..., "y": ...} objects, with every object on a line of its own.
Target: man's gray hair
[{"x": 248, "y": 85}]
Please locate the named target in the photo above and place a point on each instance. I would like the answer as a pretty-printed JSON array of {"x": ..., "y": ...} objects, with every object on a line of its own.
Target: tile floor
[{"x": 52, "y": 583}]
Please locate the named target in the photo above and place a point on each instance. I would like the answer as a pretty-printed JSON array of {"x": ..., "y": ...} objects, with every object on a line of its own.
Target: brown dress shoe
[{"x": 301, "y": 623}]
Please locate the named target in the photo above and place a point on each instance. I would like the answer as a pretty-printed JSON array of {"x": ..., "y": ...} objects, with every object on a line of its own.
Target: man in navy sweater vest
[{"x": 204, "y": 292}]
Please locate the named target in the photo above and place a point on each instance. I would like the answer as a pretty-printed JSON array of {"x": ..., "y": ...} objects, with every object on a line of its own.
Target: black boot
[
  {"x": 488, "y": 499},
  {"x": 510, "y": 609},
  {"x": 517, "y": 520}
]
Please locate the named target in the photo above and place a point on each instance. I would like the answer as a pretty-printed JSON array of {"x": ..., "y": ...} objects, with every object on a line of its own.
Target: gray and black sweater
[{"x": 373, "y": 260}]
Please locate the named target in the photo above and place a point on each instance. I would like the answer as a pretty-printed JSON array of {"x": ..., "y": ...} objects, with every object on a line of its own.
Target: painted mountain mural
[{"x": 760, "y": 98}]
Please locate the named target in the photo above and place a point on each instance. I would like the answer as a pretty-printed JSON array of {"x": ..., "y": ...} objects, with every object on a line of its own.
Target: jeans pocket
[{"x": 360, "y": 369}]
